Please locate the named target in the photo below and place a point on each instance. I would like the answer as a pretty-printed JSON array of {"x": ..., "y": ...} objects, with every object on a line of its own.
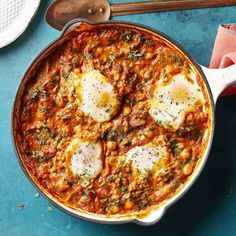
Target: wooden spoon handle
[{"x": 165, "y": 5}]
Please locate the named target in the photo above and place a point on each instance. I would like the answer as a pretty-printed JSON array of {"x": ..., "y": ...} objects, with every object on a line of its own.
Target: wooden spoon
[{"x": 62, "y": 11}]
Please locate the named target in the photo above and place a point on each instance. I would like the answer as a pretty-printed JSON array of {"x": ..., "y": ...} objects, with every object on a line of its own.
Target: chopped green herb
[
  {"x": 84, "y": 193},
  {"x": 107, "y": 110},
  {"x": 65, "y": 74},
  {"x": 77, "y": 176},
  {"x": 21, "y": 206},
  {"x": 74, "y": 64},
  {"x": 127, "y": 143},
  {"x": 142, "y": 38},
  {"x": 142, "y": 203},
  {"x": 59, "y": 137},
  {"x": 127, "y": 102},
  {"x": 75, "y": 51},
  {"x": 109, "y": 179},
  {"x": 50, "y": 209},
  {"x": 113, "y": 134},
  {"x": 178, "y": 60},
  {"x": 55, "y": 76},
  {"x": 36, "y": 195},
  {"x": 34, "y": 96},
  {"x": 135, "y": 55},
  {"x": 168, "y": 176},
  {"x": 196, "y": 135},
  {"x": 111, "y": 41},
  {"x": 124, "y": 188},
  {"x": 127, "y": 37},
  {"x": 186, "y": 129},
  {"x": 133, "y": 81},
  {"x": 112, "y": 57},
  {"x": 44, "y": 94},
  {"x": 168, "y": 124},
  {"x": 174, "y": 148},
  {"x": 114, "y": 202}
]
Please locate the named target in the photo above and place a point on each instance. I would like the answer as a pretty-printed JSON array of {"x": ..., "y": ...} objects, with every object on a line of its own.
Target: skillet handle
[
  {"x": 219, "y": 79},
  {"x": 152, "y": 218}
]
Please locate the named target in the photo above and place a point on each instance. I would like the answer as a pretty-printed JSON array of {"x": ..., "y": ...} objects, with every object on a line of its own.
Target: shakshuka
[{"x": 115, "y": 121}]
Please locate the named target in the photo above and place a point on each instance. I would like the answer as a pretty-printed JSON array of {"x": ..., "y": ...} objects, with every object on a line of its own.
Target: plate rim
[{"x": 34, "y": 5}]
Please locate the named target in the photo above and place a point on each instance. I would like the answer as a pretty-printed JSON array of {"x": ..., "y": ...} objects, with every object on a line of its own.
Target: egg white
[
  {"x": 85, "y": 158},
  {"x": 172, "y": 101}
]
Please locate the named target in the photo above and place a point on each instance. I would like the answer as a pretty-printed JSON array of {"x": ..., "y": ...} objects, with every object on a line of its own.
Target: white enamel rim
[
  {"x": 21, "y": 22},
  {"x": 226, "y": 76}
]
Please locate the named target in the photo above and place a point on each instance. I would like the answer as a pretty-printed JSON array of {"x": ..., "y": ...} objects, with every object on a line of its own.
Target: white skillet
[{"x": 216, "y": 81}]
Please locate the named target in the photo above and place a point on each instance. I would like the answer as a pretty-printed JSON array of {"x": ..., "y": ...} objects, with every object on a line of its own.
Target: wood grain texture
[{"x": 165, "y": 5}]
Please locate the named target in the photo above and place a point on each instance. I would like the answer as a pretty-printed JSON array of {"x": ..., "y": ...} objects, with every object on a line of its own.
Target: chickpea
[
  {"x": 77, "y": 71},
  {"x": 141, "y": 73},
  {"x": 148, "y": 55},
  {"x": 111, "y": 145},
  {"x": 100, "y": 180},
  {"x": 40, "y": 115},
  {"x": 169, "y": 68},
  {"x": 148, "y": 133},
  {"x": 132, "y": 186},
  {"x": 127, "y": 110},
  {"x": 186, "y": 153},
  {"x": 99, "y": 50},
  {"x": 115, "y": 209},
  {"x": 114, "y": 196},
  {"x": 134, "y": 140},
  {"x": 167, "y": 189},
  {"x": 188, "y": 169},
  {"x": 142, "y": 138},
  {"x": 128, "y": 204},
  {"x": 97, "y": 205}
]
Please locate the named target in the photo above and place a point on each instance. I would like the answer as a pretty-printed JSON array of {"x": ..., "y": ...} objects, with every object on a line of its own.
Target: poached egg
[
  {"x": 85, "y": 158},
  {"x": 146, "y": 159},
  {"x": 172, "y": 101},
  {"x": 98, "y": 98}
]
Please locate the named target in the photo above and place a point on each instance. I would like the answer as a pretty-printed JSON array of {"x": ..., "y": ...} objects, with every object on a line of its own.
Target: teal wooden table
[{"x": 209, "y": 208}]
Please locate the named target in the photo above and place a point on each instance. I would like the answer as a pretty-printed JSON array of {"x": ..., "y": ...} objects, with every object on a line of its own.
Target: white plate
[{"x": 15, "y": 16}]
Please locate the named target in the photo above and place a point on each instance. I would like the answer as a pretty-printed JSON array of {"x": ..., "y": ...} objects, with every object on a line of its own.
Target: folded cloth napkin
[{"x": 224, "y": 51}]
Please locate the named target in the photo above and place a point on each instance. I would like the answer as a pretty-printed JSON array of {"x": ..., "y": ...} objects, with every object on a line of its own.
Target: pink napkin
[{"x": 224, "y": 51}]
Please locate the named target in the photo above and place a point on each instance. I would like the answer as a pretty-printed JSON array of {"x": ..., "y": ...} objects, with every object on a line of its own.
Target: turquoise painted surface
[{"x": 209, "y": 208}]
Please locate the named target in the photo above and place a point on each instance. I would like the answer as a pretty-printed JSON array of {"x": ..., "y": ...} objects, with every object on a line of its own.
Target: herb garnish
[
  {"x": 21, "y": 206},
  {"x": 135, "y": 55},
  {"x": 174, "y": 148},
  {"x": 112, "y": 57},
  {"x": 36, "y": 195},
  {"x": 50, "y": 209},
  {"x": 126, "y": 37}
]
